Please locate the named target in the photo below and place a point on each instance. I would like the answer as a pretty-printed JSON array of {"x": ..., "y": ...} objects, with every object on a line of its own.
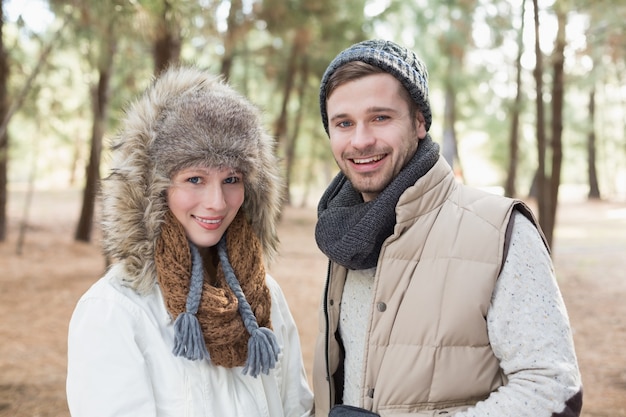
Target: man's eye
[
  {"x": 381, "y": 118},
  {"x": 344, "y": 124}
]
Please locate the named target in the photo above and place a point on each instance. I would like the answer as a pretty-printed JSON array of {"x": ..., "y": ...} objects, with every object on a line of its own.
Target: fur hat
[
  {"x": 392, "y": 58},
  {"x": 185, "y": 118}
]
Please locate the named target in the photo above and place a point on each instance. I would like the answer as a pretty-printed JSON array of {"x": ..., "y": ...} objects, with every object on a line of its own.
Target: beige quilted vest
[{"x": 428, "y": 350}]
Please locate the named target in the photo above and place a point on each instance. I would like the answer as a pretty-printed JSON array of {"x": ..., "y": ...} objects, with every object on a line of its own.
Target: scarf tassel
[
  {"x": 188, "y": 338},
  {"x": 263, "y": 352},
  {"x": 263, "y": 347}
]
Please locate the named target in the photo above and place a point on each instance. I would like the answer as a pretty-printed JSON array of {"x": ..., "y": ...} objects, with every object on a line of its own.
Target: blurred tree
[
  {"x": 540, "y": 179},
  {"x": 276, "y": 51},
  {"x": 605, "y": 38},
  {"x": 286, "y": 21},
  {"x": 548, "y": 183},
  {"x": 516, "y": 109},
  {"x": 4, "y": 135},
  {"x": 167, "y": 43},
  {"x": 556, "y": 131},
  {"x": 8, "y": 108},
  {"x": 239, "y": 24},
  {"x": 453, "y": 44},
  {"x": 298, "y": 53},
  {"x": 106, "y": 45},
  {"x": 594, "y": 188},
  {"x": 100, "y": 24}
]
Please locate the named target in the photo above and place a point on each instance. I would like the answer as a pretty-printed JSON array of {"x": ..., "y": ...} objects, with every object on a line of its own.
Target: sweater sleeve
[
  {"x": 106, "y": 374},
  {"x": 530, "y": 334}
]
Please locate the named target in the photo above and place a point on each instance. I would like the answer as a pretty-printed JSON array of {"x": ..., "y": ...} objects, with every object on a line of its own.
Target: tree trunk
[
  {"x": 542, "y": 195},
  {"x": 280, "y": 130},
  {"x": 4, "y": 137},
  {"x": 30, "y": 191},
  {"x": 230, "y": 39},
  {"x": 594, "y": 189},
  {"x": 100, "y": 104},
  {"x": 299, "y": 51},
  {"x": 168, "y": 43},
  {"x": 310, "y": 173},
  {"x": 7, "y": 111},
  {"x": 558, "y": 92},
  {"x": 511, "y": 178}
]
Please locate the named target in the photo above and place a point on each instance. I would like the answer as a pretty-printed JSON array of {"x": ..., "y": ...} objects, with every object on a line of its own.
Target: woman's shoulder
[
  {"x": 110, "y": 285},
  {"x": 278, "y": 296},
  {"x": 279, "y": 302},
  {"x": 111, "y": 290}
]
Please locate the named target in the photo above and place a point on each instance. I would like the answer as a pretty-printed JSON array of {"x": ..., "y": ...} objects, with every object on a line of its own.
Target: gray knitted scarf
[{"x": 350, "y": 231}]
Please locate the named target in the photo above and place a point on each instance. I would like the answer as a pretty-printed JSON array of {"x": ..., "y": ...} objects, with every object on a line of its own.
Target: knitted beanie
[{"x": 400, "y": 62}]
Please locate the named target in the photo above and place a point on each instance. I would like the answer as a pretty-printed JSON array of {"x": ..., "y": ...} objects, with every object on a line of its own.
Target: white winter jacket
[{"x": 120, "y": 363}]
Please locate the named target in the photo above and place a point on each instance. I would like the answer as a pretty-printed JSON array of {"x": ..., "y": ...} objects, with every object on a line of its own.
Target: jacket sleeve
[
  {"x": 106, "y": 374},
  {"x": 530, "y": 334},
  {"x": 295, "y": 392}
]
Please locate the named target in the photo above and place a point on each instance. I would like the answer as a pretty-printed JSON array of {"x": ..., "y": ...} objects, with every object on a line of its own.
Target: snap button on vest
[
  {"x": 381, "y": 306},
  {"x": 370, "y": 393}
]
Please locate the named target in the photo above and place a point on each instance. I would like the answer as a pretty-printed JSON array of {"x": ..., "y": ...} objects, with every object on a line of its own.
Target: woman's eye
[
  {"x": 194, "y": 180},
  {"x": 232, "y": 180}
]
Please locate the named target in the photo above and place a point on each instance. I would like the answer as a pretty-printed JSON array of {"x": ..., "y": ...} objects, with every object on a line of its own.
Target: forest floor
[{"x": 39, "y": 289}]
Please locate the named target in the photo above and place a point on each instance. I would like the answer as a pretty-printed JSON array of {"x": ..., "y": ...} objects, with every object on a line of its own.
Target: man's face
[{"x": 372, "y": 133}]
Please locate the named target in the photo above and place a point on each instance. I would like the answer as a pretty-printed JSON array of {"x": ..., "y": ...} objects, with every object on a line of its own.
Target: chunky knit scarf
[
  {"x": 219, "y": 309},
  {"x": 350, "y": 231}
]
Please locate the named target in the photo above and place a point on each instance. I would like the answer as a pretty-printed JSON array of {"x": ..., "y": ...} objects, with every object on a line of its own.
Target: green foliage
[{"x": 469, "y": 45}]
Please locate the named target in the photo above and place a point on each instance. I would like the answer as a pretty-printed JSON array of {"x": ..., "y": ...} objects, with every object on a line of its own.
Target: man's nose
[{"x": 363, "y": 136}]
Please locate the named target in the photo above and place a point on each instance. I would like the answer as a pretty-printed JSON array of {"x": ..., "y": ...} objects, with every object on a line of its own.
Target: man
[{"x": 441, "y": 299}]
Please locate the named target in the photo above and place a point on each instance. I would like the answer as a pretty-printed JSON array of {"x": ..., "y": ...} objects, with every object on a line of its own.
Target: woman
[{"x": 187, "y": 322}]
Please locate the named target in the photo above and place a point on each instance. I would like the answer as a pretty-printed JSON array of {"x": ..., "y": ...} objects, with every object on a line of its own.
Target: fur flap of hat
[{"x": 187, "y": 117}]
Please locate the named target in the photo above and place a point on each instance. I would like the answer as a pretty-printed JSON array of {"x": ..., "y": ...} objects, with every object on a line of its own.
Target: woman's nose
[{"x": 213, "y": 198}]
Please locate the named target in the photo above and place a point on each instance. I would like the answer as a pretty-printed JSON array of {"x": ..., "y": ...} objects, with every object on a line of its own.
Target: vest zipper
[{"x": 327, "y": 338}]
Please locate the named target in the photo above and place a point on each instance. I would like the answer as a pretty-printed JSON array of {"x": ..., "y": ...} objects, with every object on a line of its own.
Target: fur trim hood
[{"x": 187, "y": 117}]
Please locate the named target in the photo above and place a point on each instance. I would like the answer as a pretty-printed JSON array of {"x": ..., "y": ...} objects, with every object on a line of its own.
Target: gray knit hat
[{"x": 392, "y": 58}]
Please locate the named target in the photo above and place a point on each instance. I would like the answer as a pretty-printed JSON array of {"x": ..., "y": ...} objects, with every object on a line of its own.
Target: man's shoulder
[{"x": 482, "y": 202}]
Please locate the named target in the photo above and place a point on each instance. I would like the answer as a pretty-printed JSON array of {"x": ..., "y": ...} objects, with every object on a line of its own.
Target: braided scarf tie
[
  {"x": 229, "y": 323},
  {"x": 350, "y": 231}
]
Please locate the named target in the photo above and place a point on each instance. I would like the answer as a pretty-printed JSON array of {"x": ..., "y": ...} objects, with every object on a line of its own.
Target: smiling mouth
[
  {"x": 369, "y": 160},
  {"x": 206, "y": 221}
]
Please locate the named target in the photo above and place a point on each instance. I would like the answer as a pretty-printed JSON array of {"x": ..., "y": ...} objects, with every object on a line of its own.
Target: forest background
[
  {"x": 526, "y": 94},
  {"x": 528, "y": 98}
]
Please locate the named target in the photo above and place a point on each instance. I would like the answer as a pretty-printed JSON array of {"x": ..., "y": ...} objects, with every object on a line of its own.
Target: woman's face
[{"x": 205, "y": 201}]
